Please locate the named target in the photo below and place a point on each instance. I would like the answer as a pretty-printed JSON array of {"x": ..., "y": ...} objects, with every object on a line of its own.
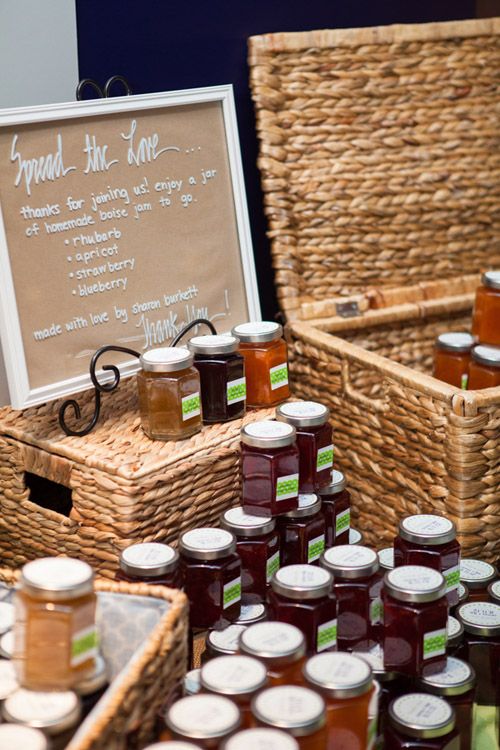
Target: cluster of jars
[
  {"x": 472, "y": 360},
  {"x": 213, "y": 380}
]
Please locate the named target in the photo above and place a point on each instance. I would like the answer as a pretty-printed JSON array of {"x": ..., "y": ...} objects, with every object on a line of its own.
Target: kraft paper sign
[{"x": 121, "y": 221}]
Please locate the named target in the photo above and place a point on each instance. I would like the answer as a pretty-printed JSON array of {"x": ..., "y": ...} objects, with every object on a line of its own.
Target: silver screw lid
[
  {"x": 414, "y": 583},
  {"x": 207, "y": 543},
  {"x": 261, "y": 738},
  {"x": 57, "y": 578},
  {"x": 276, "y": 643},
  {"x": 477, "y": 574},
  {"x": 480, "y": 618},
  {"x": 234, "y": 676},
  {"x": 203, "y": 717},
  {"x": 213, "y": 345},
  {"x": 491, "y": 279},
  {"x": 340, "y": 675},
  {"x": 246, "y": 525},
  {"x": 258, "y": 332},
  {"x": 149, "y": 559},
  {"x": 225, "y": 642},
  {"x": 338, "y": 484},
  {"x": 302, "y": 582},
  {"x": 427, "y": 529},
  {"x": 487, "y": 355},
  {"x": 455, "y": 341},
  {"x": 350, "y": 561},
  {"x": 309, "y": 505},
  {"x": 268, "y": 434},
  {"x": 303, "y": 413},
  {"x": 456, "y": 678},
  {"x": 494, "y": 591},
  {"x": 296, "y": 709},
  {"x": 251, "y": 614},
  {"x": 166, "y": 359},
  {"x": 421, "y": 715},
  {"x": 454, "y": 630},
  {"x": 386, "y": 558},
  {"x": 19, "y": 737},
  {"x": 355, "y": 536},
  {"x": 52, "y": 712},
  {"x": 463, "y": 592}
]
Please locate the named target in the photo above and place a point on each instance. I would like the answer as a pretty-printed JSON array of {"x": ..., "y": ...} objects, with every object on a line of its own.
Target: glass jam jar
[
  {"x": 452, "y": 357},
  {"x": 150, "y": 562},
  {"x": 279, "y": 646},
  {"x": 484, "y": 370},
  {"x": 486, "y": 316},
  {"x": 204, "y": 719},
  {"x": 222, "y": 642},
  {"x": 169, "y": 394},
  {"x": 357, "y": 585},
  {"x": 415, "y": 617},
  {"x": 302, "y": 595},
  {"x": 386, "y": 558},
  {"x": 257, "y": 543},
  {"x": 298, "y": 710},
  {"x": 55, "y": 637},
  {"x": 269, "y": 468},
  {"x": 477, "y": 575},
  {"x": 456, "y": 684},
  {"x": 481, "y": 648},
  {"x": 266, "y": 362},
  {"x": 222, "y": 376},
  {"x": 336, "y": 508},
  {"x": 419, "y": 720},
  {"x": 346, "y": 683},
  {"x": 211, "y": 571},
  {"x": 494, "y": 592},
  {"x": 18, "y": 736},
  {"x": 261, "y": 738},
  {"x": 430, "y": 540},
  {"x": 236, "y": 677},
  {"x": 454, "y": 635},
  {"x": 314, "y": 441},
  {"x": 56, "y": 714},
  {"x": 302, "y": 532},
  {"x": 251, "y": 614}
]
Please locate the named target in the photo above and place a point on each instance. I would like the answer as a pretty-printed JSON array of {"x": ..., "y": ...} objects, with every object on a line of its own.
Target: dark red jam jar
[
  {"x": 150, "y": 562},
  {"x": 222, "y": 377},
  {"x": 336, "y": 508},
  {"x": 302, "y": 596},
  {"x": 454, "y": 634},
  {"x": 386, "y": 558},
  {"x": 279, "y": 646},
  {"x": 494, "y": 592},
  {"x": 415, "y": 617},
  {"x": 298, "y": 710},
  {"x": 211, "y": 572},
  {"x": 314, "y": 441},
  {"x": 456, "y": 684},
  {"x": 357, "y": 585},
  {"x": 430, "y": 540},
  {"x": 419, "y": 720},
  {"x": 269, "y": 468},
  {"x": 203, "y": 719},
  {"x": 257, "y": 543},
  {"x": 223, "y": 642},
  {"x": 481, "y": 648},
  {"x": 239, "y": 678},
  {"x": 302, "y": 532},
  {"x": 477, "y": 576}
]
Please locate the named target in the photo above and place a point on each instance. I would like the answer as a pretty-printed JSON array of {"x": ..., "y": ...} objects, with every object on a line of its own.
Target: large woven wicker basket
[
  {"x": 380, "y": 166},
  {"x": 126, "y": 716}
]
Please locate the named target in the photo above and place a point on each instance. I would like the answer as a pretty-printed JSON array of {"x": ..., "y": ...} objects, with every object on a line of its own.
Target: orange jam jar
[
  {"x": 298, "y": 710},
  {"x": 279, "y": 646},
  {"x": 484, "y": 370},
  {"x": 266, "y": 362},
  {"x": 452, "y": 353},
  {"x": 486, "y": 320},
  {"x": 55, "y": 637},
  {"x": 169, "y": 394}
]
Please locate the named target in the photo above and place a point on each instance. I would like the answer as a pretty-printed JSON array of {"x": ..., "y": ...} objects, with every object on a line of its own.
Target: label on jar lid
[
  {"x": 165, "y": 355},
  {"x": 326, "y": 636},
  {"x": 273, "y": 638},
  {"x": 251, "y": 612},
  {"x": 203, "y": 715},
  {"x": 338, "y": 670},
  {"x": 489, "y": 355},
  {"x": 495, "y": 589},
  {"x": 207, "y": 538},
  {"x": 227, "y": 639},
  {"x": 278, "y": 376},
  {"x": 238, "y": 517},
  {"x": 233, "y": 674},
  {"x": 347, "y": 556},
  {"x": 236, "y": 390},
  {"x": 148, "y": 554},
  {"x": 58, "y": 573},
  {"x": 342, "y": 522},
  {"x": 324, "y": 458},
  {"x": 307, "y": 499},
  {"x": 453, "y": 627},
  {"x": 303, "y": 409},
  {"x": 475, "y": 570},
  {"x": 386, "y": 557},
  {"x": 315, "y": 548},
  {"x": 18, "y": 737},
  {"x": 457, "y": 340},
  {"x": 486, "y": 614},
  {"x": 191, "y": 406},
  {"x": 415, "y": 578},
  {"x": 462, "y": 592},
  {"x": 355, "y": 536},
  {"x": 272, "y": 566},
  {"x": 6, "y": 616},
  {"x": 256, "y": 327},
  {"x": 44, "y": 709},
  {"x": 192, "y": 681},
  {"x": 435, "y": 643},
  {"x": 214, "y": 340},
  {"x": 287, "y": 487},
  {"x": 426, "y": 524},
  {"x": 455, "y": 672},
  {"x": 422, "y": 710},
  {"x": 231, "y": 593},
  {"x": 8, "y": 679},
  {"x": 289, "y": 706},
  {"x": 260, "y": 738},
  {"x": 303, "y": 576},
  {"x": 267, "y": 428}
]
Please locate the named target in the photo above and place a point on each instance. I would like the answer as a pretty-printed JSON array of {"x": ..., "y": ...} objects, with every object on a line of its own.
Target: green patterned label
[
  {"x": 287, "y": 487},
  {"x": 452, "y": 577},
  {"x": 324, "y": 458},
  {"x": 278, "y": 376},
  {"x": 273, "y": 565},
  {"x": 343, "y": 521},
  {"x": 84, "y": 645},
  {"x": 191, "y": 406},
  {"x": 232, "y": 592},
  {"x": 236, "y": 391},
  {"x": 376, "y": 611},
  {"x": 464, "y": 381},
  {"x": 326, "y": 636},
  {"x": 315, "y": 548},
  {"x": 434, "y": 643}
]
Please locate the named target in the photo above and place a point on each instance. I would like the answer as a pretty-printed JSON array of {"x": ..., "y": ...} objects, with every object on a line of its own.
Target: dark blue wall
[{"x": 160, "y": 45}]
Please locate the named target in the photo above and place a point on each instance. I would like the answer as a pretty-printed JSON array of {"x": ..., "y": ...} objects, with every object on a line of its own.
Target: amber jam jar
[
  {"x": 266, "y": 362},
  {"x": 222, "y": 376},
  {"x": 454, "y": 635},
  {"x": 477, "y": 575},
  {"x": 357, "y": 585},
  {"x": 270, "y": 468},
  {"x": 55, "y": 637},
  {"x": 279, "y": 646},
  {"x": 302, "y": 595},
  {"x": 222, "y": 642},
  {"x": 251, "y": 614},
  {"x": 56, "y": 714},
  {"x": 484, "y": 371},
  {"x": 336, "y": 509},
  {"x": 169, "y": 394},
  {"x": 415, "y": 616},
  {"x": 346, "y": 683},
  {"x": 452, "y": 357},
  {"x": 257, "y": 543},
  {"x": 456, "y": 684},
  {"x": 302, "y": 532},
  {"x": 25, "y": 738},
  {"x": 386, "y": 558},
  {"x": 150, "y": 562},
  {"x": 236, "y": 677},
  {"x": 486, "y": 320},
  {"x": 419, "y": 720},
  {"x": 314, "y": 441},
  {"x": 203, "y": 719},
  {"x": 260, "y": 738},
  {"x": 494, "y": 592},
  {"x": 298, "y": 710},
  {"x": 211, "y": 571},
  {"x": 431, "y": 541},
  {"x": 481, "y": 648}
]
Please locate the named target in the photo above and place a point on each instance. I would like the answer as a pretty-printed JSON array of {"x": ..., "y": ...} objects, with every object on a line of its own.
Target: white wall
[{"x": 39, "y": 63}]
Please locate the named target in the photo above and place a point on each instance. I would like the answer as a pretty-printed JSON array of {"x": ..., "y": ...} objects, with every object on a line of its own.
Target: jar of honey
[
  {"x": 269, "y": 468},
  {"x": 484, "y": 370},
  {"x": 150, "y": 562},
  {"x": 203, "y": 719},
  {"x": 236, "y": 677},
  {"x": 57, "y": 714},
  {"x": 222, "y": 642},
  {"x": 302, "y": 532},
  {"x": 302, "y": 595},
  {"x": 298, "y": 710},
  {"x": 421, "y": 720},
  {"x": 55, "y": 637},
  {"x": 257, "y": 544},
  {"x": 452, "y": 353},
  {"x": 486, "y": 317},
  {"x": 169, "y": 394},
  {"x": 481, "y": 647},
  {"x": 222, "y": 376},
  {"x": 279, "y": 646},
  {"x": 477, "y": 575},
  {"x": 18, "y": 736},
  {"x": 261, "y": 738},
  {"x": 314, "y": 441},
  {"x": 336, "y": 509},
  {"x": 266, "y": 362}
]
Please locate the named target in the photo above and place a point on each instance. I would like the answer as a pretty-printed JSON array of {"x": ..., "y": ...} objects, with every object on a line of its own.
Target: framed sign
[{"x": 121, "y": 221}]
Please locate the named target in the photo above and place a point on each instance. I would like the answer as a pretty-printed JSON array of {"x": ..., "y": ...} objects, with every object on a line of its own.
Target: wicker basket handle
[{"x": 379, "y": 404}]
